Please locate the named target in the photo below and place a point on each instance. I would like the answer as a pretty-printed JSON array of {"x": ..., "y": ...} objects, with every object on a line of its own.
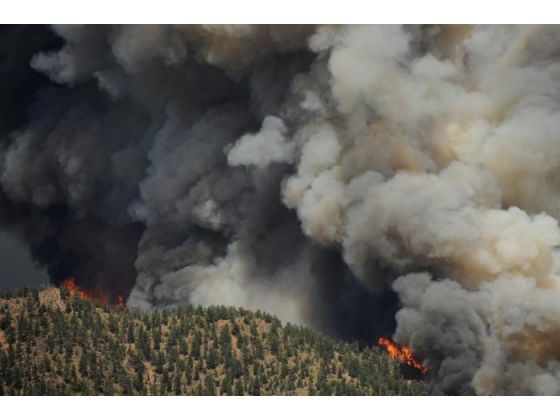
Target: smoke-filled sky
[
  {"x": 364, "y": 180},
  {"x": 17, "y": 267}
]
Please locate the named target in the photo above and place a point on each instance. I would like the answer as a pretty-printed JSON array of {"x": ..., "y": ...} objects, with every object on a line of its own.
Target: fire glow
[
  {"x": 94, "y": 295},
  {"x": 402, "y": 353}
]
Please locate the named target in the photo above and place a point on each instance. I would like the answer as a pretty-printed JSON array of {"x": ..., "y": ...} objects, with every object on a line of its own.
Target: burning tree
[{"x": 401, "y": 353}]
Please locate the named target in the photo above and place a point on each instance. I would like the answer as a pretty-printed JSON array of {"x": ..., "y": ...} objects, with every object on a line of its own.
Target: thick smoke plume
[{"x": 342, "y": 177}]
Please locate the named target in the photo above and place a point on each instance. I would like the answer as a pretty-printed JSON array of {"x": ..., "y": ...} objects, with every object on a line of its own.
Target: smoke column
[{"x": 364, "y": 180}]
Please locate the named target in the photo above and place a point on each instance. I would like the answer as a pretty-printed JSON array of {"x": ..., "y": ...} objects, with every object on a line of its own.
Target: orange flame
[
  {"x": 402, "y": 353},
  {"x": 71, "y": 286},
  {"x": 91, "y": 294}
]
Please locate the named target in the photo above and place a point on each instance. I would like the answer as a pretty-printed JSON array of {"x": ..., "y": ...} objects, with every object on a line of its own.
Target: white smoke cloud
[
  {"x": 267, "y": 146},
  {"x": 461, "y": 159}
]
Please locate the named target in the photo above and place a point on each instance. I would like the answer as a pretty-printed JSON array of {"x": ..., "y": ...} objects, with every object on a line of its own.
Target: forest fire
[
  {"x": 402, "y": 353},
  {"x": 120, "y": 300},
  {"x": 94, "y": 295}
]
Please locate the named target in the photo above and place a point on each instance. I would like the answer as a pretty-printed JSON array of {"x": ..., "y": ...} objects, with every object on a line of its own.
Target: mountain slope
[{"x": 54, "y": 343}]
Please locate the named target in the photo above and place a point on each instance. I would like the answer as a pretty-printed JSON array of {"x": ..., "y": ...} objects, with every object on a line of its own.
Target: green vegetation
[{"x": 52, "y": 343}]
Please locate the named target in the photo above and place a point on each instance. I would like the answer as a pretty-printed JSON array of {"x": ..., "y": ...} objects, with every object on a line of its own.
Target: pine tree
[
  {"x": 239, "y": 389},
  {"x": 167, "y": 386},
  {"x": 225, "y": 387},
  {"x": 195, "y": 349},
  {"x": 160, "y": 361},
  {"x": 212, "y": 359},
  {"x": 210, "y": 387},
  {"x": 188, "y": 371},
  {"x": 310, "y": 387},
  {"x": 156, "y": 337},
  {"x": 255, "y": 387},
  {"x": 139, "y": 382},
  {"x": 153, "y": 388},
  {"x": 83, "y": 365},
  {"x": 183, "y": 347},
  {"x": 177, "y": 388}
]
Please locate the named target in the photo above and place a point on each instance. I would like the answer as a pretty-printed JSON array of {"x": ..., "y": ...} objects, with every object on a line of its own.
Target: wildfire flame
[
  {"x": 90, "y": 294},
  {"x": 402, "y": 353},
  {"x": 120, "y": 300}
]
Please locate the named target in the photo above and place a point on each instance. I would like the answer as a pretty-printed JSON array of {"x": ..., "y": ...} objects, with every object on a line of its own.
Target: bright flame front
[
  {"x": 91, "y": 294},
  {"x": 402, "y": 353}
]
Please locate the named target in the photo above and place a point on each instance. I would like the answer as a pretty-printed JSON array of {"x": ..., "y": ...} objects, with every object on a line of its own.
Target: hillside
[{"x": 56, "y": 343}]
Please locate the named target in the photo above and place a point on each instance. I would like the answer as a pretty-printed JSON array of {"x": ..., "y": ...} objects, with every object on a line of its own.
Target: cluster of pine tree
[{"x": 72, "y": 346}]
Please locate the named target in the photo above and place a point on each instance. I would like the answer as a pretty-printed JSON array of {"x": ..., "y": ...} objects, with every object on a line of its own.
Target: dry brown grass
[{"x": 51, "y": 297}]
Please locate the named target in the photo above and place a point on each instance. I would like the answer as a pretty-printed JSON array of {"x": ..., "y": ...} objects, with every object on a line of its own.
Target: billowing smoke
[{"x": 342, "y": 177}]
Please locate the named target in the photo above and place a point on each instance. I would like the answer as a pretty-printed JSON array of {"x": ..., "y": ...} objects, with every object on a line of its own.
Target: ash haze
[
  {"x": 17, "y": 267},
  {"x": 363, "y": 180}
]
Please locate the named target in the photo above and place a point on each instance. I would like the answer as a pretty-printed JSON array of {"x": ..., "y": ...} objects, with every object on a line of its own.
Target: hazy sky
[{"x": 16, "y": 266}]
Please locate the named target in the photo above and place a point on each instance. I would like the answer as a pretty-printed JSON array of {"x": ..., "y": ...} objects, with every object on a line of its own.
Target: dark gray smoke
[{"x": 331, "y": 175}]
